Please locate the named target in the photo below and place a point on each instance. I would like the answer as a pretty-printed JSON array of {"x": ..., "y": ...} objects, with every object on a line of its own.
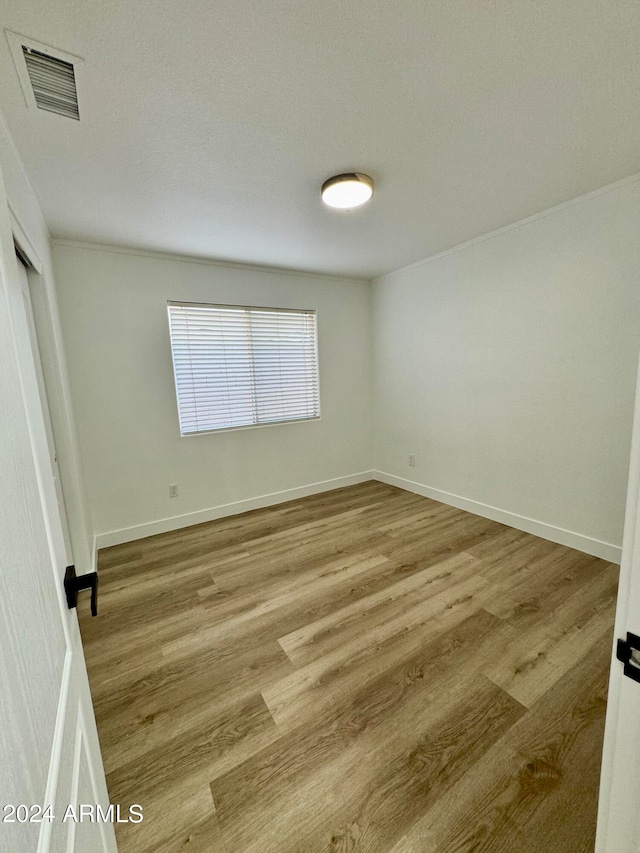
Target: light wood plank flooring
[{"x": 362, "y": 670}]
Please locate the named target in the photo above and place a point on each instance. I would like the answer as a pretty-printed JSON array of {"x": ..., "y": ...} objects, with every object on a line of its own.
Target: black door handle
[
  {"x": 73, "y": 583},
  {"x": 625, "y": 652}
]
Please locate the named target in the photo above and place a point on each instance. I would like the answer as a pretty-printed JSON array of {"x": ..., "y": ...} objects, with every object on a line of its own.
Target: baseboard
[
  {"x": 579, "y": 541},
  {"x": 176, "y": 522}
]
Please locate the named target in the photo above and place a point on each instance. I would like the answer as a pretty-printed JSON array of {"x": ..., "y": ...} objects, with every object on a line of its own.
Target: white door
[
  {"x": 49, "y": 751},
  {"x": 619, "y": 807}
]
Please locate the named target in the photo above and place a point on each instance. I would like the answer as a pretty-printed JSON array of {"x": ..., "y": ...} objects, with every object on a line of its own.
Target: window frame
[{"x": 223, "y": 305}]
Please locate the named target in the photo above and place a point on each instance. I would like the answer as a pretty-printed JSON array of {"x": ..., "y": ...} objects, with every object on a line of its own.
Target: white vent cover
[
  {"x": 48, "y": 76},
  {"x": 53, "y": 82}
]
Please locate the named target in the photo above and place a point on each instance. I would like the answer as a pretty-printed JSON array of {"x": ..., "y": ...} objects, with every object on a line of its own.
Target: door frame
[
  {"x": 59, "y": 397},
  {"x": 32, "y": 284}
]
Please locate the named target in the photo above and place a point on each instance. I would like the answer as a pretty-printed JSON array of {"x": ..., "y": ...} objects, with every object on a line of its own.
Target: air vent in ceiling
[
  {"x": 48, "y": 76},
  {"x": 53, "y": 82}
]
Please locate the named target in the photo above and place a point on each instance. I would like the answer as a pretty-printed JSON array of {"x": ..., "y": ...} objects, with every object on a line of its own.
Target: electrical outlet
[
  {"x": 412, "y": 460},
  {"x": 173, "y": 490}
]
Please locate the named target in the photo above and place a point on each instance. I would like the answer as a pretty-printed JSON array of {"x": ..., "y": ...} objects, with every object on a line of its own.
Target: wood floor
[{"x": 362, "y": 670}]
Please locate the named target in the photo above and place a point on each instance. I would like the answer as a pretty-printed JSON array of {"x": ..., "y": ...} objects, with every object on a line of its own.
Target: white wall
[
  {"x": 113, "y": 306},
  {"x": 29, "y": 226},
  {"x": 508, "y": 367}
]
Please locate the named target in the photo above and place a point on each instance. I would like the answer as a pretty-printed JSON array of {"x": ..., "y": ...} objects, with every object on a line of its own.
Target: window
[{"x": 236, "y": 366}]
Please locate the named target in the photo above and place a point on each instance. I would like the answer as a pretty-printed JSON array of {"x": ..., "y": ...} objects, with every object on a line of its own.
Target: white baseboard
[
  {"x": 596, "y": 547},
  {"x": 579, "y": 541},
  {"x": 176, "y": 522}
]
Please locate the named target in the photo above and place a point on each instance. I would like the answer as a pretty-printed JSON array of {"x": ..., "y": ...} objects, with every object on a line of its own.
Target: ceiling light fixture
[{"x": 347, "y": 191}]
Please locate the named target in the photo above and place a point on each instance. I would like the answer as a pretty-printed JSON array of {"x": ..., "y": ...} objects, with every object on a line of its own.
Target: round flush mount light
[{"x": 347, "y": 191}]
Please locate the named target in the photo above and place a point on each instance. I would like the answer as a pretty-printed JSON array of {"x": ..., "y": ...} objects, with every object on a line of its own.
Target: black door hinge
[{"x": 625, "y": 653}]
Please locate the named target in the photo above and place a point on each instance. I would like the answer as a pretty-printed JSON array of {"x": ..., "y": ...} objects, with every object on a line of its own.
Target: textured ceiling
[{"x": 208, "y": 128}]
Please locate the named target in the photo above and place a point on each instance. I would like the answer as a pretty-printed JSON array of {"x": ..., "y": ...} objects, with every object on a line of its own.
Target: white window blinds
[{"x": 238, "y": 367}]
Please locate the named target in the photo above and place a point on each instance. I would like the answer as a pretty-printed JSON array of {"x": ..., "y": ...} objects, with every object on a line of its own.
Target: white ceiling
[{"x": 208, "y": 128}]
